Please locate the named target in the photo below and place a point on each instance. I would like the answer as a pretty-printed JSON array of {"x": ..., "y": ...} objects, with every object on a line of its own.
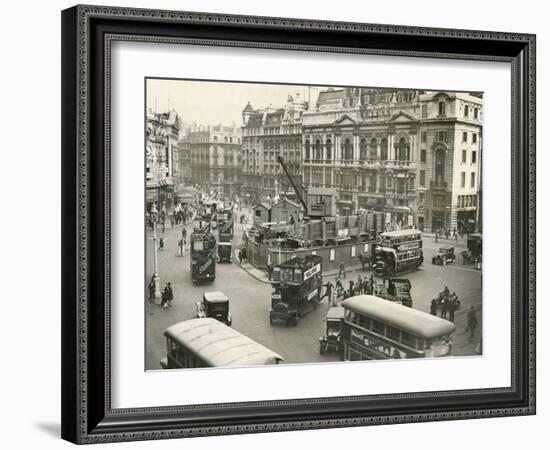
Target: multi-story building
[
  {"x": 449, "y": 188},
  {"x": 364, "y": 143},
  {"x": 184, "y": 148},
  {"x": 414, "y": 155},
  {"x": 216, "y": 158},
  {"x": 267, "y": 134},
  {"x": 161, "y": 158}
]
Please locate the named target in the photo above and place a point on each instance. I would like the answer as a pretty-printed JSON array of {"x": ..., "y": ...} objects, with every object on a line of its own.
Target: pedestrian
[
  {"x": 363, "y": 261},
  {"x": 180, "y": 247},
  {"x": 164, "y": 297},
  {"x": 163, "y": 226},
  {"x": 339, "y": 288},
  {"x": 161, "y": 244},
  {"x": 172, "y": 221},
  {"x": 151, "y": 288},
  {"x": 444, "y": 308},
  {"x": 447, "y": 233},
  {"x": 269, "y": 271},
  {"x": 472, "y": 322},
  {"x": 167, "y": 295},
  {"x": 351, "y": 284},
  {"x": 328, "y": 292},
  {"x": 245, "y": 258},
  {"x": 433, "y": 307},
  {"x": 453, "y": 306},
  {"x": 184, "y": 233},
  {"x": 240, "y": 256},
  {"x": 342, "y": 271},
  {"x": 359, "y": 285},
  {"x": 436, "y": 235}
]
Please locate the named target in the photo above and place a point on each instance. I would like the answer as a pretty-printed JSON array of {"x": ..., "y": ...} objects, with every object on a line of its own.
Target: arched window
[
  {"x": 318, "y": 151},
  {"x": 384, "y": 150},
  {"x": 373, "y": 148},
  {"x": 441, "y": 108},
  {"x": 363, "y": 149},
  {"x": 307, "y": 149},
  {"x": 329, "y": 149},
  {"x": 466, "y": 111},
  {"x": 347, "y": 150},
  {"x": 403, "y": 150},
  {"x": 440, "y": 158},
  {"x": 475, "y": 113}
]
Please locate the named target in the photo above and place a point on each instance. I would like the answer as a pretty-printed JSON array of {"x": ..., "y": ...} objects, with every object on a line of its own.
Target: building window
[
  {"x": 474, "y": 138},
  {"x": 347, "y": 150},
  {"x": 464, "y": 136},
  {"x": 329, "y": 149},
  {"x": 466, "y": 111},
  {"x": 373, "y": 148},
  {"x": 403, "y": 150},
  {"x": 475, "y": 113},
  {"x": 441, "y": 136},
  {"x": 363, "y": 149},
  {"x": 423, "y": 156},
  {"x": 421, "y": 198},
  {"x": 318, "y": 153},
  {"x": 440, "y": 159},
  {"x": 384, "y": 149},
  {"x": 463, "y": 179},
  {"x": 473, "y": 180},
  {"x": 463, "y": 156},
  {"x": 422, "y": 180},
  {"x": 307, "y": 149},
  {"x": 423, "y": 137},
  {"x": 474, "y": 157},
  {"x": 441, "y": 108},
  {"x": 424, "y": 111}
]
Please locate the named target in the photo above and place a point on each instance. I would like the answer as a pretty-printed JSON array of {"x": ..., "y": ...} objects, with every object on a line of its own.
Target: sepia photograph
[{"x": 298, "y": 224}]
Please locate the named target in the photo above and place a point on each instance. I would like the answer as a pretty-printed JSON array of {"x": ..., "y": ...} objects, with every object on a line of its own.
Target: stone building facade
[
  {"x": 215, "y": 153},
  {"x": 267, "y": 134},
  {"x": 161, "y": 158},
  {"x": 449, "y": 188},
  {"x": 413, "y": 155},
  {"x": 364, "y": 143}
]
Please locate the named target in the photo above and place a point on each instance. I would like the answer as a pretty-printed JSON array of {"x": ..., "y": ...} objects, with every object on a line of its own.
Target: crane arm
[{"x": 298, "y": 193}]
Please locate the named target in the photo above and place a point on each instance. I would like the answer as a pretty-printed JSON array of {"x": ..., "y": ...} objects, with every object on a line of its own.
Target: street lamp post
[{"x": 156, "y": 278}]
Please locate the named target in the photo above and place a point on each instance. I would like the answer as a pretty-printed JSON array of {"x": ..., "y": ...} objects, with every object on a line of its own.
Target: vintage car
[
  {"x": 395, "y": 289},
  {"x": 331, "y": 341},
  {"x": 214, "y": 304},
  {"x": 445, "y": 256}
]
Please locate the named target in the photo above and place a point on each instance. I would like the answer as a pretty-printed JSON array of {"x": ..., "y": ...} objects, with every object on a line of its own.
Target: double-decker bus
[
  {"x": 224, "y": 219},
  {"x": 375, "y": 328},
  {"x": 203, "y": 255},
  {"x": 397, "y": 252},
  {"x": 210, "y": 343},
  {"x": 296, "y": 288}
]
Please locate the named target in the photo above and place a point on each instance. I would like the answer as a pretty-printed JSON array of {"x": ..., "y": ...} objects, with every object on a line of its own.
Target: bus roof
[
  {"x": 406, "y": 319},
  {"x": 219, "y": 345},
  {"x": 215, "y": 297},
  {"x": 400, "y": 233}
]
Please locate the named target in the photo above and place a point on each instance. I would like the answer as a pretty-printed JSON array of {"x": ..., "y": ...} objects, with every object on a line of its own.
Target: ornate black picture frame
[{"x": 87, "y": 35}]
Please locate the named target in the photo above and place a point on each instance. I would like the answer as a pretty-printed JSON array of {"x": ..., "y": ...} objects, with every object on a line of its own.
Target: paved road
[{"x": 250, "y": 300}]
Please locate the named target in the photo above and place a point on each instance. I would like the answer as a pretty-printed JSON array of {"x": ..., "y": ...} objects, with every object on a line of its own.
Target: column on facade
[
  {"x": 355, "y": 147},
  {"x": 378, "y": 149},
  {"x": 391, "y": 150}
]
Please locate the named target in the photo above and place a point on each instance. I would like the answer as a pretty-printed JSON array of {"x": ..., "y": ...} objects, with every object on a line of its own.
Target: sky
[{"x": 212, "y": 102}]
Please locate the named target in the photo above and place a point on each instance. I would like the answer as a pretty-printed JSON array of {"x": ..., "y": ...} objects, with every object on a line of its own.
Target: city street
[{"x": 250, "y": 300}]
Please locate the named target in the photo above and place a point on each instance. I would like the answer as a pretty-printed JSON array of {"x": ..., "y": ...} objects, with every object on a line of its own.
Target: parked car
[{"x": 445, "y": 256}]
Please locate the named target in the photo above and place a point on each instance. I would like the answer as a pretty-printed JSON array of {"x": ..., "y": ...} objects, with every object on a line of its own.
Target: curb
[{"x": 251, "y": 274}]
